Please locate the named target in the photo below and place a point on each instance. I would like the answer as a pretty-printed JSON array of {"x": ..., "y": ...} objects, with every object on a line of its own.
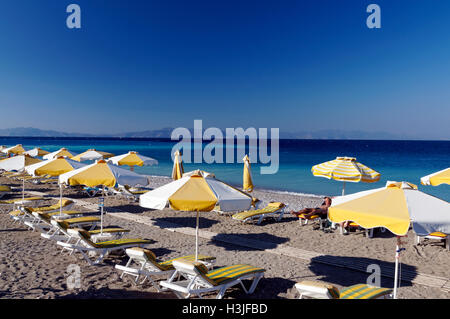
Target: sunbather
[{"x": 321, "y": 211}]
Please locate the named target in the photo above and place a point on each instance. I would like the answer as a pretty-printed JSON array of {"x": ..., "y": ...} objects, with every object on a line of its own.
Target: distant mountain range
[{"x": 166, "y": 132}]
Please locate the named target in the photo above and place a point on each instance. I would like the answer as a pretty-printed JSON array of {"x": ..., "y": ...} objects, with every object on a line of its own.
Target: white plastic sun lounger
[
  {"x": 143, "y": 263},
  {"x": 435, "y": 236},
  {"x": 200, "y": 280},
  {"x": 320, "y": 290},
  {"x": 59, "y": 232},
  {"x": 275, "y": 210},
  {"x": 86, "y": 246}
]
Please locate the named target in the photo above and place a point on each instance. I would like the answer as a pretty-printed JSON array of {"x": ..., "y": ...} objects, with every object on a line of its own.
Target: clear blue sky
[{"x": 296, "y": 65}]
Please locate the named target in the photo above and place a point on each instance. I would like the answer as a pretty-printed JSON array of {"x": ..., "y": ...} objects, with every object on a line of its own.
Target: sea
[{"x": 395, "y": 160}]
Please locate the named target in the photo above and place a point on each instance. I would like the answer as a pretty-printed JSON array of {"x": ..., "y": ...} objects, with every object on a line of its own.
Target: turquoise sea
[{"x": 395, "y": 160}]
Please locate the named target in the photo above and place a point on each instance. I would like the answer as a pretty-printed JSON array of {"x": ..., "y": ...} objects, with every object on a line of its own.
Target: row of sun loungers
[{"x": 78, "y": 232}]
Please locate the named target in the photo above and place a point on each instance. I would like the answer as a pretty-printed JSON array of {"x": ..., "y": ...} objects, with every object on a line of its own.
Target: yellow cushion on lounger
[
  {"x": 108, "y": 230},
  {"x": 188, "y": 258},
  {"x": 16, "y": 213},
  {"x": 438, "y": 234},
  {"x": 302, "y": 216},
  {"x": 276, "y": 204},
  {"x": 65, "y": 202},
  {"x": 250, "y": 213},
  {"x": 121, "y": 242},
  {"x": 332, "y": 290},
  {"x": 4, "y": 188},
  {"x": 201, "y": 269},
  {"x": 82, "y": 219},
  {"x": 363, "y": 291},
  {"x": 168, "y": 264},
  {"x": 62, "y": 224},
  {"x": 12, "y": 201},
  {"x": 228, "y": 273},
  {"x": 66, "y": 212}
]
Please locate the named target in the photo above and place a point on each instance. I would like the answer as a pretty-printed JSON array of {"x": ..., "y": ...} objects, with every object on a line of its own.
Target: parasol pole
[
  {"x": 196, "y": 239},
  {"x": 343, "y": 189},
  {"x": 398, "y": 249},
  {"x": 60, "y": 199},
  {"x": 102, "y": 205},
  {"x": 23, "y": 187}
]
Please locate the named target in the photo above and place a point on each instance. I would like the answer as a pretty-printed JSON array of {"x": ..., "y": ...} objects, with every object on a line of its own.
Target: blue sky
[{"x": 296, "y": 65}]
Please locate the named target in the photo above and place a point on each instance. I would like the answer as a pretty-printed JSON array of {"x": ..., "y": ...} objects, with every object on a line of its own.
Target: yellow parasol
[
  {"x": 91, "y": 155},
  {"x": 54, "y": 167},
  {"x": 438, "y": 178},
  {"x": 132, "y": 159},
  {"x": 346, "y": 169},
  {"x": 394, "y": 207},
  {"x": 16, "y": 150},
  {"x": 196, "y": 191},
  {"x": 177, "y": 170},
  {"x": 247, "y": 178}
]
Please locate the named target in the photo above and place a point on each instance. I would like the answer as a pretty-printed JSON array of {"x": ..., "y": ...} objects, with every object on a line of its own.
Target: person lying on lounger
[{"x": 322, "y": 210}]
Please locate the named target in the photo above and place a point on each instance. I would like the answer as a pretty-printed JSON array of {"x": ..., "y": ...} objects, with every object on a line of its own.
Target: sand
[{"x": 33, "y": 267}]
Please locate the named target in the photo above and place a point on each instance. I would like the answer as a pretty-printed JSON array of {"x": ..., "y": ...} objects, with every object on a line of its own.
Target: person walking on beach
[{"x": 322, "y": 210}]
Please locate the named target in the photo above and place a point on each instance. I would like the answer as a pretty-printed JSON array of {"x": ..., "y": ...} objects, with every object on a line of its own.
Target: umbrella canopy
[
  {"x": 132, "y": 159},
  {"x": 17, "y": 163},
  {"x": 102, "y": 173},
  {"x": 53, "y": 167},
  {"x": 36, "y": 152},
  {"x": 91, "y": 155},
  {"x": 247, "y": 184},
  {"x": 177, "y": 170},
  {"x": 394, "y": 207},
  {"x": 61, "y": 152},
  {"x": 17, "y": 149},
  {"x": 346, "y": 169},
  {"x": 196, "y": 191},
  {"x": 105, "y": 174},
  {"x": 438, "y": 178}
]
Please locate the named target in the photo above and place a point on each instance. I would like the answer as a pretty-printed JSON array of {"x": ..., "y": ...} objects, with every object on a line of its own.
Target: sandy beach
[{"x": 33, "y": 267}]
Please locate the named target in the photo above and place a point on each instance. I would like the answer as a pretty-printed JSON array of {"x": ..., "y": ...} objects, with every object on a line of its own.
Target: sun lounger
[
  {"x": 42, "y": 221},
  {"x": 66, "y": 204},
  {"x": 132, "y": 193},
  {"x": 59, "y": 232},
  {"x": 367, "y": 231},
  {"x": 4, "y": 190},
  {"x": 17, "y": 201},
  {"x": 275, "y": 209},
  {"x": 323, "y": 222},
  {"x": 435, "y": 236},
  {"x": 85, "y": 245},
  {"x": 143, "y": 262},
  {"x": 197, "y": 279},
  {"x": 320, "y": 290}
]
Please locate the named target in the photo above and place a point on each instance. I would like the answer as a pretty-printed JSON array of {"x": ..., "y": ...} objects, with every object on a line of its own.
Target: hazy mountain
[
  {"x": 166, "y": 132},
  {"x": 35, "y": 132}
]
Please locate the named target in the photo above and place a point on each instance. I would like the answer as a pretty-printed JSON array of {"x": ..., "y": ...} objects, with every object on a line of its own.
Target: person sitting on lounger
[{"x": 321, "y": 211}]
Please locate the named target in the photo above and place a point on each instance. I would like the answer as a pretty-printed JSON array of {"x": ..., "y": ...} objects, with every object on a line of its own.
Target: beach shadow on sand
[
  {"x": 247, "y": 242},
  {"x": 129, "y": 208},
  {"x": 103, "y": 293},
  {"x": 347, "y": 271},
  {"x": 176, "y": 222},
  {"x": 13, "y": 229}
]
